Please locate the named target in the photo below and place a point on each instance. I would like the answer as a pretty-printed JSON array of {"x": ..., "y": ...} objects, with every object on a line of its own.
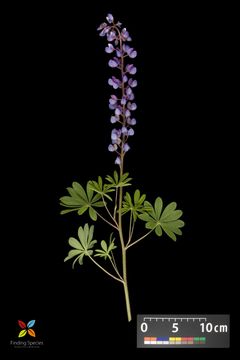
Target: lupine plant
[{"x": 107, "y": 199}]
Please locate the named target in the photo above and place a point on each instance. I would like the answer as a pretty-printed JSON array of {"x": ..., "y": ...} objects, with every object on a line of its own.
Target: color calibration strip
[{"x": 174, "y": 340}]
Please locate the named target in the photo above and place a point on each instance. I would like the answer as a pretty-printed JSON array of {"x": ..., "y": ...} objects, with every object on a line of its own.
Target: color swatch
[{"x": 174, "y": 340}]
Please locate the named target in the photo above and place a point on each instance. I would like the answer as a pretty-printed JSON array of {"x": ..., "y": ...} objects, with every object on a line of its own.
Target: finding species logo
[{"x": 26, "y": 328}]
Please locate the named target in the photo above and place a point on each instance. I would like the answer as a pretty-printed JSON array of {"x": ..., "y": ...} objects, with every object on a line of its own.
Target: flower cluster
[{"x": 122, "y": 103}]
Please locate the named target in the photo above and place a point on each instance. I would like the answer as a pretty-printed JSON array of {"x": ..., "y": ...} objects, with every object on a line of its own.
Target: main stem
[{"x": 124, "y": 255}]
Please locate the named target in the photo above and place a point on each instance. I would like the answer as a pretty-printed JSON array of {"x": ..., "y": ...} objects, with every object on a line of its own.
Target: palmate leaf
[
  {"x": 80, "y": 200},
  {"x": 105, "y": 250},
  {"x": 101, "y": 188},
  {"x": 158, "y": 219},
  {"x": 118, "y": 181},
  {"x": 135, "y": 205},
  {"x": 83, "y": 246}
]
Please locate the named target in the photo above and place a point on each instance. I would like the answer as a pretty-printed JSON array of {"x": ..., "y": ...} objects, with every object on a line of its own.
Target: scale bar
[{"x": 175, "y": 318}]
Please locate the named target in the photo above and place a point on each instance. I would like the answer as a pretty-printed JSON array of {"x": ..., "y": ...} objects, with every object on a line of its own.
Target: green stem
[
  {"x": 115, "y": 204},
  {"x": 124, "y": 259},
  {"x": 109, "y": 213},
  {"x": 141, "y": 238},
  {"x": 108, "y": 273},
  {"x": 131, "y": 229},
  {"x": 114, "y": 265},
  {"x": 108, "y": 222}
]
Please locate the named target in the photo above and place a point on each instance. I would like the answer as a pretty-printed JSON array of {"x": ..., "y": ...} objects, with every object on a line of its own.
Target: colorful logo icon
[{"x": 26, "y": 329}]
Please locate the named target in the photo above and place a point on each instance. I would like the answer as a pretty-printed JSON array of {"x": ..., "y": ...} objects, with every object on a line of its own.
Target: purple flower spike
[{"x": 120, "y": 103}]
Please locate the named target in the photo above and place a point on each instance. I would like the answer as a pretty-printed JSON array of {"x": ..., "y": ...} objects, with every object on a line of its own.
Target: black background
[{"x": 56, "y": 129}]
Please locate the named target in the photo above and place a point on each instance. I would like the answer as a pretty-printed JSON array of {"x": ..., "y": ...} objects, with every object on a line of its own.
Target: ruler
[{"x": 183, "y": 331}]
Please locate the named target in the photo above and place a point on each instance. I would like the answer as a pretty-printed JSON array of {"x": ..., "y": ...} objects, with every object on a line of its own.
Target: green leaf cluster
[
  {"x": 159, "y": 219},
  {"x": 83, "y": 246},
  {"x": 119, "y": 181},
  {"x": 80, "y": 200},
  {"x": 135, "y": 205},
  {"x": 101, "y": 188},
  {"x": 105, "y": 250}
]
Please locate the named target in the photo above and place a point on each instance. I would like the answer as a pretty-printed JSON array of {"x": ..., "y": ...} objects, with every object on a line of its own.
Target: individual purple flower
[
  {"x": 131, "y": 69},
  {"x": 113, "y": 63},
  {"x": 127, "y": 113},
  {"x": 119, "y": 53},
  {"x": 102, "y": 26},
  {"x": 130, "y": 132},
  {"x": 131, "y": 106},
  {"x": 125, "y": 35},
  {"x": 131, "y": 96},
  {"x": 126, "y": 48},
  {"x": 129, "y": 51},
  {"x": 113, "y": 100},
  {"x": 109, "y": 18},
  {"x": 104, "y": 31},
  {"x": 111, "y": 36},
  {"x": 124, "y": 130},
  {"x": 118, "y": 111},
  {"x": 131, "y": 121},
  {"x": 132, "y": 83},
  {"x": 132, "y": 53},
  {"x": 112, "y": 106},
  {"x": 123, "y": 100},
  {"x": 114, "y": 82},
  {"x": 114, "y": 119},
  {"x": 126, "y": 147},
  {"x": 115, "y": 136},
  {"x": 109, "y": 49},
  {"x": 118, "y": 161},
  {"x": 112, "y": 148}
]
